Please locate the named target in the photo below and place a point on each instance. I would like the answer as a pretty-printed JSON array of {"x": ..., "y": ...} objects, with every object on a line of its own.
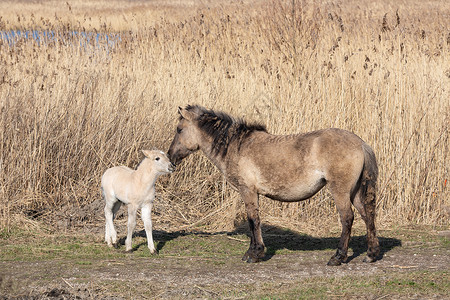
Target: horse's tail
[
  {"x": 369, "y": 175},
  {"x": 368, "y": 192}
]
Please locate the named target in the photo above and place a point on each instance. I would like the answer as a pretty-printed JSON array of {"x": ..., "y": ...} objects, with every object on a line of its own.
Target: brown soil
[{"x": 168, "y": 277}]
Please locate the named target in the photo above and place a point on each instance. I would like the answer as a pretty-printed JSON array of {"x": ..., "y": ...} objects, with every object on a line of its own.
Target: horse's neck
[{"x": 218, "y": 161}]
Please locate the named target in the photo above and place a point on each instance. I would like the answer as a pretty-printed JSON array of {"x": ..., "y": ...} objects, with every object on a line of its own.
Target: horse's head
[{"x": 187, "y": 137}]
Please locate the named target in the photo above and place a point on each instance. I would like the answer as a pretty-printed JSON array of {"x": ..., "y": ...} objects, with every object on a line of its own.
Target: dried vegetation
[{"x": 379, "y": 69}]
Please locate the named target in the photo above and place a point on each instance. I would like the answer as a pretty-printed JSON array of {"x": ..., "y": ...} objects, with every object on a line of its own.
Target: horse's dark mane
[{"x": 223, "y": 128}]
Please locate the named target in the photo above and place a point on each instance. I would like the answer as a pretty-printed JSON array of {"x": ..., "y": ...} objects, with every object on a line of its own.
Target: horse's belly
[{"x": 293, "y": 192}]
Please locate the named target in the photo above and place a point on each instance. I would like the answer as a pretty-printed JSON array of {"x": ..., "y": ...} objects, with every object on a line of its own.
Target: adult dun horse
[{"x": 284, "y": 168}]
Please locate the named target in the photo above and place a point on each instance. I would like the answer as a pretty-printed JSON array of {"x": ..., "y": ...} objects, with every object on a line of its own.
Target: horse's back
[
  {"x": 315, "y": 148},
  {"x": 337, "y": 146},
  {"x": 295, "y": 167}
]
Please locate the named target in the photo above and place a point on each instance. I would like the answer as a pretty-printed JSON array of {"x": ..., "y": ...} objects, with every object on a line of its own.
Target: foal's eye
[
  {"x": 179, "y": 130},
  {"x": 157, "y": 158}
]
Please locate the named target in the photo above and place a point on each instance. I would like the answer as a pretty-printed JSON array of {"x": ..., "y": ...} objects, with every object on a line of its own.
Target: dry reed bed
[{"x": 382, "y": 72}]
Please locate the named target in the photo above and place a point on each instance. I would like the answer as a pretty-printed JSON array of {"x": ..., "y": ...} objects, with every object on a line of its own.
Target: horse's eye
[
  {"x": 157, "y": 158},
  {"x": 179, "y": 130}
]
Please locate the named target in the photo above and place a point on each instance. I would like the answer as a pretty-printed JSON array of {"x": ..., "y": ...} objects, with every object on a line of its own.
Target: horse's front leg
[{"x": 256, "y": 250}]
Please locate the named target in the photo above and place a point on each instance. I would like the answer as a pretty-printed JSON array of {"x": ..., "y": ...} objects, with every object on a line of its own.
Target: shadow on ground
[{"x": 277, "y": 238}]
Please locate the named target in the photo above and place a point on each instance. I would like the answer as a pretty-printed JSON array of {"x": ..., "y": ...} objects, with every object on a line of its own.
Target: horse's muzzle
[{"x": 176, "y": 158}]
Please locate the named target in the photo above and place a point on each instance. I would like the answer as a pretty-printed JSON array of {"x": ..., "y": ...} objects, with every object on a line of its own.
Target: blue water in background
[{"x": 85, "y": 40}]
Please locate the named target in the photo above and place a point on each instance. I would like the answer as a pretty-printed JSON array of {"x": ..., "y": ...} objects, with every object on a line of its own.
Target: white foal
[{"x": 136, "y": 188}]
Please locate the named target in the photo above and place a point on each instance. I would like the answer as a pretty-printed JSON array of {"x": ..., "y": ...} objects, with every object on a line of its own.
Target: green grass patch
[
  {"x": 390, "y": 285},
  {"x": 28, "y": 247},
  {"x": 208, "y": 246}
]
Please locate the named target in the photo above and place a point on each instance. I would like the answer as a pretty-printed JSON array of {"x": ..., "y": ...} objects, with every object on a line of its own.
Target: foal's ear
[{"x": 147, "y": 153}]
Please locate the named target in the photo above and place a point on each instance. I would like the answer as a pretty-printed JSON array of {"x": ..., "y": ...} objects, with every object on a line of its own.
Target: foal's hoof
[
  {"x": 115, "y": 245},
  {"x": 334, "y": 262}
]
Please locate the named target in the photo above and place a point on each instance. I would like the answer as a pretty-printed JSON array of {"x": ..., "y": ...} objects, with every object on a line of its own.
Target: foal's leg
[
  {"x": 367, "y": 211},
  {"x": 108, "y": 222},
  {"x": 256, "y": 250},
  {"x": 115, "y": 208},
  {"x": 111, "y": 207},
  {"x": 344, "y": 207},
  {"x": 132, "y": 211},
  {"x": 146, "y": 215}
]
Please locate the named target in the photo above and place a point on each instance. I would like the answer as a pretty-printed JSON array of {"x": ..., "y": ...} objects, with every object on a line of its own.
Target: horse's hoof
[
  {"x": 368, "y": 259},
  {"x": 115, "y": 245},
  {"x": 334, "y": 262},
  {"x": 252, "y": 260}
]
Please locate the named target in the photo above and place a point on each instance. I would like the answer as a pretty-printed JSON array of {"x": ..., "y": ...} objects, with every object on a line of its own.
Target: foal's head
[{"x": 158, "y": 161}]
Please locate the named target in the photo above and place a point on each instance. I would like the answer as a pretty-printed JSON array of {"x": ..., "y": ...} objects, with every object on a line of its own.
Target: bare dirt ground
[{"x": 294, "y": 267}]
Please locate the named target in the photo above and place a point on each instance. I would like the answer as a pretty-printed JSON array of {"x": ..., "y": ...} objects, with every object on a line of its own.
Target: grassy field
[
  {"x": 192, "y": 265},
  {"x": 376, "y": 68}
]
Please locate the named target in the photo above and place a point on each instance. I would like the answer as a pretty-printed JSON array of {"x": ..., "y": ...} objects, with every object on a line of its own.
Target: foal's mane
[{"x": 223, "y": 128}]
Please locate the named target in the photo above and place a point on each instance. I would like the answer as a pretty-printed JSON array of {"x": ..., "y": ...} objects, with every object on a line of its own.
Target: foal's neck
[{"x": 146, "y": 173}]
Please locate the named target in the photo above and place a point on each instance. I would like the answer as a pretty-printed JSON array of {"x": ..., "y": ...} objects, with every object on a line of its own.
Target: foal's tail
[{"x": 368, "y": 192}]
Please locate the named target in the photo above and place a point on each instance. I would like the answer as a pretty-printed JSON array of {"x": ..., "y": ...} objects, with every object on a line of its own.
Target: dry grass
[{"x": 378, "y": 69}]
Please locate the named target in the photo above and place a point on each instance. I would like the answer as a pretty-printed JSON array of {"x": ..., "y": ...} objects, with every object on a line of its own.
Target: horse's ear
[{"x": 185, "y": 114}]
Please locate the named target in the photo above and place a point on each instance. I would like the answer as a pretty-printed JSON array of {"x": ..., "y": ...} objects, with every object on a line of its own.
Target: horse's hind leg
[
  {"x": 344, "y": 207},
  {"x": 367, "y": 211}
]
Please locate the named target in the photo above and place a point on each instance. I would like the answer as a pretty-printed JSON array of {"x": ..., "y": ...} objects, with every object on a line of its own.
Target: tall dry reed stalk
[{"x": 68, "y": 113}]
